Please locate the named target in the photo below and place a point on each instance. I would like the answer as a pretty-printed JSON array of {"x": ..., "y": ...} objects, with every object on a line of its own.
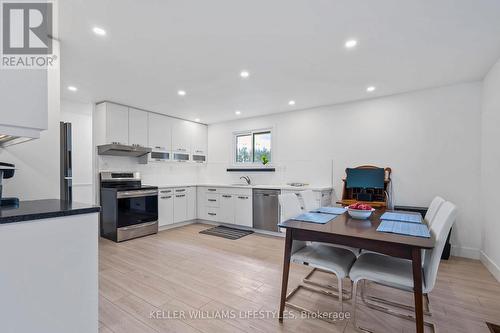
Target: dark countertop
[{"x": 43, "y": 209}]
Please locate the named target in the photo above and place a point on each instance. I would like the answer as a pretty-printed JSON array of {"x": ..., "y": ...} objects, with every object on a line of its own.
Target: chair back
[
  {"x": 433, "y": 209},
  {"x": 308, "y": 199},
  {"x": 290, "y": 207},
  {"x": 440, "y": 229}
]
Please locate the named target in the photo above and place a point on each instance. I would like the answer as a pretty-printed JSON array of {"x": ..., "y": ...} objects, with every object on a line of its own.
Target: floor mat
[{"x": 226, "y": 232}]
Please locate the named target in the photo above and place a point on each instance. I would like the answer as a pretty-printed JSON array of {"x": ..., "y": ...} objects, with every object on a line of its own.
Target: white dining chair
[
  {"x": 428, "y": 218},
  {"x": 330, "y": 259},
  {"x": 308, "y": 199},
  {"x": 397, "y": 273},
  {"x": 433, "y": 209}
]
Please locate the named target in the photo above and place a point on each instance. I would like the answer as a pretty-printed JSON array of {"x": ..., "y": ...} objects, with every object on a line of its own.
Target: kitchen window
[{"x": 253, "y": 147}]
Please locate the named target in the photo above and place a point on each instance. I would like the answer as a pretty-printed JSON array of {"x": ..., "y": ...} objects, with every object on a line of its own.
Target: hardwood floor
[{"x": 179, "y": 273}]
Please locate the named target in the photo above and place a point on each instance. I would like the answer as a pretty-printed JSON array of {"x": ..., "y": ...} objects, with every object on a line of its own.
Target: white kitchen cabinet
[
  {"x": 137, "y": 127},
  {"x": 201, "y": 211},
  {"x": 191, "y": 203},
  {"x": 165, "y": 207},
  {"x": 227, "y": 208},
  {"x": 159, "y": 132},
  {"x": 181, "y": 135},
  {"x": 180, "y": 205},
  {"x": 25, "y": 102},
  {"x": 116, "y": 120},
  {"x": 199, "y": 139},
  {"x": 243, "y": 210}
]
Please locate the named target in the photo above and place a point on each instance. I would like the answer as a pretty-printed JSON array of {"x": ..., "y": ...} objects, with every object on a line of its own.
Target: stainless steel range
[{"x": 129, "y": 209}]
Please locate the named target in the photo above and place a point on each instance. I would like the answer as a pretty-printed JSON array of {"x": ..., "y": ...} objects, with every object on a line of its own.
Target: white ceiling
[{"x": 293, "y": 49}]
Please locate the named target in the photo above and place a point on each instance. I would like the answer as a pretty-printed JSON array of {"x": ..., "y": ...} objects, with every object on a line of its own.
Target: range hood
[{"x": 122, "y": 150}]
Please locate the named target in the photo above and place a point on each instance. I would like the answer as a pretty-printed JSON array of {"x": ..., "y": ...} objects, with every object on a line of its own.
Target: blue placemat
[
  {"x": 315, "y": 218},
  {"x": 331, "y": 210},
  {"x": 404, "y": 228},
  {"x": 403, "y": 217}
]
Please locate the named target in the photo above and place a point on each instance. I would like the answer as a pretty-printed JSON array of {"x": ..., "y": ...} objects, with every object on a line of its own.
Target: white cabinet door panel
[
  {"x": 159, "y": 132},
  {"x": 243, "y": 210},
  {"x": 138, "y": 127},
  {"x": 199, "y": 139},
  {"x": 180, "y": 207},
  {"x": 226, "y": 208},
  {"x": 165, "y": 208},
  {"x": 116, "y": 124},
  {"x": 191, "y": 203},
  {"x": 182, "y": 131}
]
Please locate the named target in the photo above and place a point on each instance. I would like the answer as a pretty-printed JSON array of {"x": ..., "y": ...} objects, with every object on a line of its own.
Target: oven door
[{"x": 136, "y": 207}]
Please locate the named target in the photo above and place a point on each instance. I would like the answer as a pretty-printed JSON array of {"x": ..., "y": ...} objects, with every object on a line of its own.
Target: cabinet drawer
[
  {"x": 212, "y": 200},
  {"x": 212, "y": 213}
]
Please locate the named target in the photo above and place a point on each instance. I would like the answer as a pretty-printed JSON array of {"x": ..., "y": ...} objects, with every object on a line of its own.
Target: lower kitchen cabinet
[
  {"x": 243, "y": 210},
  {"x": 227, "y": 208},
  {"x": 176, "y": 205},
  {"x": 180, "y": 205},
  {"x": 165, "y": 207},
  {"x": 227, "y": 205},
  {"x": 191, "y": 203}
]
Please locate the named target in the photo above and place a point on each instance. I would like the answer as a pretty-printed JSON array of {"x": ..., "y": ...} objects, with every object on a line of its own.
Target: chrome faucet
[{"x": 247, "y": 179}]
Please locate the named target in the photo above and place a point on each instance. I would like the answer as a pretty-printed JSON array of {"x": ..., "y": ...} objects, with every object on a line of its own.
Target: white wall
[
  {"x": 37, "y": 161},
  {"x": 430, "y": 138},
  {"x": 80, "y": 117},
  {"x": 490, "y": 167}
]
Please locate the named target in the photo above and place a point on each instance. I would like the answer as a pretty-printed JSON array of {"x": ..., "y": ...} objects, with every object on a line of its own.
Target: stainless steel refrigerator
[{"x": 66, "y": 181}]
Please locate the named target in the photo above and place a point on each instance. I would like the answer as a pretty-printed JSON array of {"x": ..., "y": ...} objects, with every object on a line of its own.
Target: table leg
[
  {"x": 417, "y": 289},
  {"x": 286, "y": 270}
]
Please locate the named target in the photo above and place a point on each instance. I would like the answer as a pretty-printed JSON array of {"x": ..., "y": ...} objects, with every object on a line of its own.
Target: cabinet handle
[
  {"x": 212, "y": 214},
  {"x": 181, "y": 160},
  {"x": 212, "y": 200},
  {"x": 166, "y": 191},
  {"x": 181, "y": 149},
  {"x": 158, "y": 147},
  {"x": 180, "y": 190},
  {"x": 180, "y": 195},
  {"x": 242, "y": 197},
  {"x": 227, "y": 196},
  {"x": 212, "y": 189},
  {"x": 167, "y": 197}
]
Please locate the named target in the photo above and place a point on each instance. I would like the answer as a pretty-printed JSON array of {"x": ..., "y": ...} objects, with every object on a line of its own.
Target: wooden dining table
[{"x": 363, "y": 234}]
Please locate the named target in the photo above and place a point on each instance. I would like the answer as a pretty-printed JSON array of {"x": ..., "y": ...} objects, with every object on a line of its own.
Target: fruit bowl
[{"x": 360, "y": 211}]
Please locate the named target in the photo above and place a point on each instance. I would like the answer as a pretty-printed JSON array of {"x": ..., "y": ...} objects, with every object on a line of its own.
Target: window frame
[{"x": 252, "y": 133}]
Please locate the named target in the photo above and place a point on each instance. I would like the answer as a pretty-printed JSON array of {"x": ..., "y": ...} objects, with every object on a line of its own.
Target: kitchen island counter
[{"x": 43, "y": 209}]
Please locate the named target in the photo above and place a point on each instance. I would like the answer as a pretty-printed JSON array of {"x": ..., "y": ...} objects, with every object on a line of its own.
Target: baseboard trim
[
  {"x": 465, "y": 252},
  {"x": 490, "y": 265}
]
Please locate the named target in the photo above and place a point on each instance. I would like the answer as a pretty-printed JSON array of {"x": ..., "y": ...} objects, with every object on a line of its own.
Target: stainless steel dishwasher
[{"x": 266, "y": 209}]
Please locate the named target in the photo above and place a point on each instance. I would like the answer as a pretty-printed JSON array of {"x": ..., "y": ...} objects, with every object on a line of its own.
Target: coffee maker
[{"x": 7, "y": 171}]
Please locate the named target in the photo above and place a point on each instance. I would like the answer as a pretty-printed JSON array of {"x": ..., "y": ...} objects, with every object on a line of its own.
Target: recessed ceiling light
[
  {"x": 237, "y": 112},
  {"x": 72, "y": 88},
  {"x": 99, "y": 31},
  {"x": 349, "y": 44},
  {"x": 370, "y": 89},
  {"x": 181, "y": 93},
  {"x": 197, "y": 120},
  {"x": 291, "y": 103},
  {"x": 244, "y": 74}
]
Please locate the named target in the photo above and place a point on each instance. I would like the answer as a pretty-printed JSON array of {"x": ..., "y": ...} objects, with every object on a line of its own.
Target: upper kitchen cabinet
[
  {"x": 137, "y": 127},
  {"x": 111, "y": 124},
  {"x": 182, "y": 131},
  {"x": 199, "y": 139},
  {"x": 160, "y": 132},
  {"x": 24, "y": 96}
]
